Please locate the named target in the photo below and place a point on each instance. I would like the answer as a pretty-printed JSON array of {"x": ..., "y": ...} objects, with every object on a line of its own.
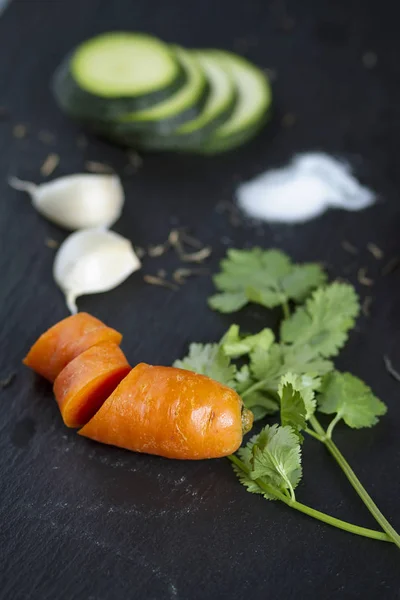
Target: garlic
[
  {"x": 77, "y": 201},
  {"x": 93, "y": 261}
]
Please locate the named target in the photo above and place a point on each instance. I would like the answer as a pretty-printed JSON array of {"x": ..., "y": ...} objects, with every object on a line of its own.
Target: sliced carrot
[
  {"x": 87, "y": 381},
  {"x": 64, "y": 341},
  {"x": 171, "y": 412}
]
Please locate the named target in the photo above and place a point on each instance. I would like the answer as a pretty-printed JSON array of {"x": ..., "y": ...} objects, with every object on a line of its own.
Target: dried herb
[
  {"x": 366, "y": 306},
  {"x": 362, "y": 277},
  {"x": 98, "y": 167},
  {"x": 7, "y": 381},
  {"x": 50, "y": 243},
  {"x": 49, "y": 165},
  {"x": 375, "y": 251},
  {"x": 180, "y": 275},
  {"x": 153, "y": 280},
  {"x": 390, "y": 369},
  {"x": 349, "y": 247},
  {"x": 19, "y": 131},
  {"x": 391, "y": 266},
  {"x": 46, "y": 137}
]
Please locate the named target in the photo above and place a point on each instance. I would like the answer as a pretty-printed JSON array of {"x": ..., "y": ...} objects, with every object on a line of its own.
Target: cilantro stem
[
  {"x": 286, "y": 309},
  {"x": 355, "y": 482},
  {"x": 253, "y": 388},
  {"x": 332, "y": 425},
  {"x": 312, "y": 512}
]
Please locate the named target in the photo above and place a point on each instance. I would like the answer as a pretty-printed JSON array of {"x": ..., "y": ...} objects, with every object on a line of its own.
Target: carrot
[
  {"x": 173, "y": 413},
  {"x": 87, "y": 381},
  {"x": 64, "y": 341}
]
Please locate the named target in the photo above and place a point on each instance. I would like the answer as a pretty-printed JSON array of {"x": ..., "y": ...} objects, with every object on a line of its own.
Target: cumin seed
[
  {"x": 366, "y": 306},
  {"x": 50, "y": 165},
  {"x": 98, "y": 167},
  {"x": 153, "y": 280},
  {"x": 362, "y": 277},
  {"x": 390, "y": 368},
  {"x": 349, "y": 247},
  {"x": 375, "y": 251}
]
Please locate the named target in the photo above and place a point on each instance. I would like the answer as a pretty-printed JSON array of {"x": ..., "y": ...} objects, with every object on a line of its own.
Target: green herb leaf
[
  {"x": 293, "y": 410},
  {"x": 351, "y": 399},
  {"x": 267, "y": 277},
  {"x": 270, "y": 366},
  {"x": 210, "y": 360},
  {"x": 306, "y": 385},
  {"x": 234, "y": 345},
  {"x": 322, "y": 324},
  {"x": 277, "y": 458}
]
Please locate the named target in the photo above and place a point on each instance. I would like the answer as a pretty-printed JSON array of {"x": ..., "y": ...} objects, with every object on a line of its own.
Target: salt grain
[{"x": 305, "y": 189}]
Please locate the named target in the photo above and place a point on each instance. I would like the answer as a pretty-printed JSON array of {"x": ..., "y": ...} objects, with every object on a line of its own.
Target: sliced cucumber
[
  {"x": 220, "y": 102},
  {"x": 186, "y": 104},
  {"x": 217, "y": 108},
  {"x": 116, "y": 73},
  {"x": 252, "y": 106}
]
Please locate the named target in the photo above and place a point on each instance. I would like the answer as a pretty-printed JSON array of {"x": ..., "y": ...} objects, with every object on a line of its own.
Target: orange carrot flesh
[
  {"x": 65, "y": 341},
  {"x": 87, "y": 381},
  {"x": 172, "y": 413}
]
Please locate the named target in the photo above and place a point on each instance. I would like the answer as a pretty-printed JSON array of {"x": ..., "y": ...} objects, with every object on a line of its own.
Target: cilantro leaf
[
  {"x": 246, "y": 455},
  {"x": 323, "y": 322},
  {"x": 267, "y": 277},
  {"x": 210, "y": 360},
  {"x": 281, "y": 359},
  {"x": 293, "y": 410},
  {"x": 260, "y": 403},
  {"x": 235, "y": 346},
  {"x": 351, "y": 399},
  {"x": 306, "y": 385},
  {"x": 277, "y": 458}
]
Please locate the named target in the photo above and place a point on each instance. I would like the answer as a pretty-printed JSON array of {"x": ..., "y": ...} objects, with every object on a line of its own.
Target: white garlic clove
[
  {"x": 77, "y": 201},
  {"x": 93, "y": 261}
]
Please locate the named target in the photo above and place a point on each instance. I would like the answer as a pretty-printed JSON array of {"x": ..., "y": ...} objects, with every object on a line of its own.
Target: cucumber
[
  {"x": 252, "y": 107},
  {"x": 218, "y": 107},
  {"x": 185, "y": 105},
  {"x": 116, "y": 73}
]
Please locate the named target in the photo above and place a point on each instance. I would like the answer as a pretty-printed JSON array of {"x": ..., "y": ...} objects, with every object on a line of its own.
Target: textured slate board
[{"x": 83, "y": 521}]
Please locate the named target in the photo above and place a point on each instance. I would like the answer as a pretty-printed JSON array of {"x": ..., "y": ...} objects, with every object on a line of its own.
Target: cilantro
[
  {"x": 292, "y": 374},
  {"x": 235, "y": 346},
  {"x": 274, "y": 457},
  {"x": 266, "y": 277},
  {"x": 350, "y": 399},
  {"x": 323, "y": 322},
  {"x": 293, "y": 410},
  {"x": 306, "y": 386},
  {"x": 209, "y": 359}
]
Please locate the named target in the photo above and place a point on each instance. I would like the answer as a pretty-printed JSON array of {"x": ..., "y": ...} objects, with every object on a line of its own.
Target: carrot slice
[
  {"x": 171, "y": 412},
  {"x": 87, "y": 381},
  {"x": 64, "y": 341}
]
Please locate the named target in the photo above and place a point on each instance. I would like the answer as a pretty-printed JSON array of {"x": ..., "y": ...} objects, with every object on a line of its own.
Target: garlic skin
[
  {"x": 92, "y": 261},
  {"x": 77, "y": 201}
]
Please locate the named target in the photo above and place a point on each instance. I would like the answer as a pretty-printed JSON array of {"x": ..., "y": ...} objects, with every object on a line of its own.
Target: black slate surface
[{"x": 83, "y": 521}]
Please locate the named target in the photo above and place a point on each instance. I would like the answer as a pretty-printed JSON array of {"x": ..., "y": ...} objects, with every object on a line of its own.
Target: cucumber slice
[
  {"x": 186, "y": 104},
  {"x": 217, "y": 108},
  {"x": 252, "y": 107},
  {"x": 116, "y": 73},
  {"x": 220, "y": 102}
]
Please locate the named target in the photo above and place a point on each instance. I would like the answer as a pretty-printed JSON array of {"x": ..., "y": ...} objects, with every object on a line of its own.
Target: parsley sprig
[{"x": 293, "y": 375}]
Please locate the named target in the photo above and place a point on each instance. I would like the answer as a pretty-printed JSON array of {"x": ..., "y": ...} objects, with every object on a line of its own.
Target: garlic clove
[
  {"x": 77, "y": 201},
  {"x": 92, "y": 261}
]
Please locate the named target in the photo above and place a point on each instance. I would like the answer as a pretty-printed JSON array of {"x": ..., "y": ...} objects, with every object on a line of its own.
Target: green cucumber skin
[
  {"x": 158, "y": 143},
  {"x": 186, "y": 141},
  {"x": 83, "y": 105},
  {"x": 216, "y": 146},
  {"x": 167, "y": 125}
]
